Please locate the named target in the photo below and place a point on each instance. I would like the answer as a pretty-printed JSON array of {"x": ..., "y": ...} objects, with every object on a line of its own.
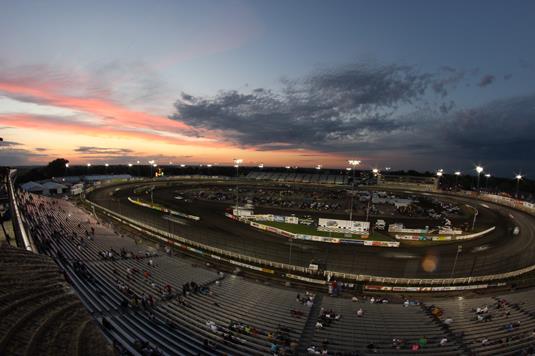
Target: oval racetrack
[{"x": 497, "y": 252}]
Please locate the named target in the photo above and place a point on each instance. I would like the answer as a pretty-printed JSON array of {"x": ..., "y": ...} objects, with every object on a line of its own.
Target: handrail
[{"x": 17, "y": 217}]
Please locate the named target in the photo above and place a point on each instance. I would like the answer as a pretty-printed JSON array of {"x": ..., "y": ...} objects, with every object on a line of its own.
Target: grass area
[{"x": 308, "y": 230}]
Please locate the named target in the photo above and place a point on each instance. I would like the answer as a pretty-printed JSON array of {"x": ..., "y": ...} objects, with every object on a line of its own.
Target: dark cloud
[
  {"x": 327, "y": 109},
  {"x": 507, "y": 76},
  {"x": 446, "y": 107},
  {"x": 500, "y": 130},
  {"x": 91, "y": 150},
  {"x": 41, "y": 149},
  {"x": 381, "y": 112},
  {"x": 11, "y": 154},
  {"x": 448, "y": 80},
  {"x": 4, "y": 144},
  {"x": 486, "y": 80}
]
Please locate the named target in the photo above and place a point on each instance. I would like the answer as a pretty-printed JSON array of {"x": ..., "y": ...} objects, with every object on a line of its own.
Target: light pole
[
  {"x": 479, "y": 169},
  {"x": 151, "y": 162},
  {"x": 459, "y": 250},
  {"x": 353, "y": 164},
  {"x": 66, "y": 168},
  {"x": 261, "y": 165},
  {"x": 237, "y": 162},
  {"x": 518, "y": 177},
  {"x": 318, "y": 167},
  {"x": 487, "y": 176},
  {"x": 440, "y": 172},
  {"x": 457, "y": 174},
  {"x": 88, "y": 167}
]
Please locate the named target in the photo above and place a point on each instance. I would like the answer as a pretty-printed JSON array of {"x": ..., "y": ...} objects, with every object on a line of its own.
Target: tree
[{"x": 56, "y": 167}]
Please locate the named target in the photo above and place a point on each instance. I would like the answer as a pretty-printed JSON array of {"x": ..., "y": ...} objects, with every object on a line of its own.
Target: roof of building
[
  {"x": 32, "y": 186},
  {"x": 53, "y": 185}
]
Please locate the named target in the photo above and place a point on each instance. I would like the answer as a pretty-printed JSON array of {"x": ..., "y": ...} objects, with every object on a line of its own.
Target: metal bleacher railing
[
  {"x": 236, "y": 258},
  {"x": 21, "y": 235}
]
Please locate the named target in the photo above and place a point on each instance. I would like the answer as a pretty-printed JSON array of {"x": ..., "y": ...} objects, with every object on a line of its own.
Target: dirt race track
[{"x": 499, "y": 251}]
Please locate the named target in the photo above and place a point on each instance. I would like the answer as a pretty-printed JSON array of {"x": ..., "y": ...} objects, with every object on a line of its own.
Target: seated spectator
[{"x": 422, "y": 341}]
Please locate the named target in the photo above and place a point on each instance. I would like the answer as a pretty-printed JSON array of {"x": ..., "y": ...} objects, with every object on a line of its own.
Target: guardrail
[{"x": 21, "y": 235}]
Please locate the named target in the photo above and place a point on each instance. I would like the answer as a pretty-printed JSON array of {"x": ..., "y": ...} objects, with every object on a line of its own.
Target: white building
[{"x": 32, "y": 187}]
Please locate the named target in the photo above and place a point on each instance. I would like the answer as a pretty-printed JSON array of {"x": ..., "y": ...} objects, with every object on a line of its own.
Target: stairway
[
  {"x": 307, "y": 336},
  {"x": 452, "y": 338}
]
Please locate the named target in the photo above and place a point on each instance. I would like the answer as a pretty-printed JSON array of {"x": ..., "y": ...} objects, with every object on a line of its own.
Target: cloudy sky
[{"x": 405, "y": 84}]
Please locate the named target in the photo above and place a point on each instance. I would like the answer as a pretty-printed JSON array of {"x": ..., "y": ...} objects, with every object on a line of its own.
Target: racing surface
[{"x": 497, "y": 252}]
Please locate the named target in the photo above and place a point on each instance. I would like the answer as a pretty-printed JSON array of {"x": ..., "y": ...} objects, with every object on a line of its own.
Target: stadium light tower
[
  {"x": 318, "y": 167},
  {"x": 353, "y": 163},
  {"x": 237, "y": 162},
  {"x": 130, "y": 165},
  {"x": 457, "y": 174},
  {"x": 439, "y": 173},
  {"x": 261, "y": 165},
  {"x": 487, "y": 176},
  {"x": 479, "y": 169},
  {"x": 375, "y": 171},
  {"x": 518, "y": 178}
]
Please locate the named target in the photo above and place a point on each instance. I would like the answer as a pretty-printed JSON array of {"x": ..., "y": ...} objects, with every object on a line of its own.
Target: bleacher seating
[
  {"x": 137, "y": 293},
  {"x": 39, "y": 313},
  {"x": 299, "y": 177}
]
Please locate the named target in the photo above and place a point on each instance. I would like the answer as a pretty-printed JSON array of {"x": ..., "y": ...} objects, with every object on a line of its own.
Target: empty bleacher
[{"x": 39, "y": 312}]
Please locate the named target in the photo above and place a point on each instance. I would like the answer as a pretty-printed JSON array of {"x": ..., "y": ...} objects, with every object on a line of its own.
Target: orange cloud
[{"x": 107, "y": 110}]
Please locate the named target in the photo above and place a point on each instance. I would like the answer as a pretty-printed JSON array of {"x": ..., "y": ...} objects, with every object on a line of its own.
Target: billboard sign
[{"x": 358, "y": 227}]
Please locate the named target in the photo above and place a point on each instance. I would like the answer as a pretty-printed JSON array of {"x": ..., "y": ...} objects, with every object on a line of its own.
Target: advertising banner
[
  {"x": 343, "y": 225},
  {"x": 291, "y": 219}
]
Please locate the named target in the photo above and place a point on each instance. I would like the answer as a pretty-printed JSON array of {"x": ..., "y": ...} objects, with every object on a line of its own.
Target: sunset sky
[{"x": 406, "y": 84}]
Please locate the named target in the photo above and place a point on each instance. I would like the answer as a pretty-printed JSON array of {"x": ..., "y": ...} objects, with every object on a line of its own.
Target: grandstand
[
  {"x": 407, "y": 182},
  {"x": 91, "y": 284},
  {"x": 40, "y": 314},
  {"x": 235, "y": 316},
  {"x": 332, "y": 179}
]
